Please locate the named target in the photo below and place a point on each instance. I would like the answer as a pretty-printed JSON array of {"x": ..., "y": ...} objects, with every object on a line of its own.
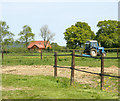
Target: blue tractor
[{"x": 92, "y": 48}]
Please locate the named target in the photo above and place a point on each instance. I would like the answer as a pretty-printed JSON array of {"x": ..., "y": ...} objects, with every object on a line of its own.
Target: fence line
[
  {"x": 62, "y": 67},
  {"x": 55, "y": 69},
  {"x": 73, "y": 67},
  {"x": 2, "y": 55},
  {"x": 70, "y": 50},
  {"x": 88, "y": 72},
  {"x": 102, "y": 71},
  {"x": 41, "y": 55}
]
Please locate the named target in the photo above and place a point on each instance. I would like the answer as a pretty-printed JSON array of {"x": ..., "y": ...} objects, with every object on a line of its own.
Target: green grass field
[
  {"x": 18, "y": 59},
  {"x": 47, "y": 87}
]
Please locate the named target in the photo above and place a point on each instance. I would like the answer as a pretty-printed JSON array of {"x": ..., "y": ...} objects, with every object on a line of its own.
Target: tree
[
  {"x": 118, "y": 33},
  {"x": 26, "y": 35},
  {"x": 46, "y": 34},
  {"x": 6, "y": 36},
  {"x": 55, "y": 46},
  {"x": 78, "y": 34},
  {"x": 108, "y": 33}
]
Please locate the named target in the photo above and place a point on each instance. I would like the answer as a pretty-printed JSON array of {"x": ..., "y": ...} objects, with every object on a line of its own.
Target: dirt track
[{"x": 62, "y": 72}]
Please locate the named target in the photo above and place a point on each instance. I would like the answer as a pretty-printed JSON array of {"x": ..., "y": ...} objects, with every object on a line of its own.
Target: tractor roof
[{"x": 91, "y": 41}]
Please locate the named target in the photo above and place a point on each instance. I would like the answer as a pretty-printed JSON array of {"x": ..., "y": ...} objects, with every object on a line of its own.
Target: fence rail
[
  {"x": 70, "y": 50},
  {"x": 73, "y": 67}
]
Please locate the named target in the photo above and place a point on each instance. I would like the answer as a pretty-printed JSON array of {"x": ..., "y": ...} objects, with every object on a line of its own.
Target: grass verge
[
  {"x": 15, "y": 59},
  {"x": 47, "y": 87}
]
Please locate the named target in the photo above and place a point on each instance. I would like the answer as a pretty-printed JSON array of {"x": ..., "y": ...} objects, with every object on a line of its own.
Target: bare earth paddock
[{"x": 62, "y": 72}]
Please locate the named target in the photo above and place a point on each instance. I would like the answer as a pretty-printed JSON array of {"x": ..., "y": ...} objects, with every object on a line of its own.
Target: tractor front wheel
[
  {"x": 104, "y": 53},
  {"x": 93, "y": 52}
]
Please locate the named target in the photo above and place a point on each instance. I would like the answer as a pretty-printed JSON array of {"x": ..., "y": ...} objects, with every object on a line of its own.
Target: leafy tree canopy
[
  {"x": 108, "y": 33},
  {"x": 26, "y": 35},
  {"x": 6, "y": 36},
  {"x": 55, "y": 46},
  {"x": 78, "y": 34}
]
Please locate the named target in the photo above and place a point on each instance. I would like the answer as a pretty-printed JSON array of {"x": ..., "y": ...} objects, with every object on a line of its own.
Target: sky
[{"x": 57, "y": 15}]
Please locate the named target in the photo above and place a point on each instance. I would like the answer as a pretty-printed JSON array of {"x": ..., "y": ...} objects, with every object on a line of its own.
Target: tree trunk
[
  {"x": 26, "y": 42},
  {"x": 45, "y": 43}
]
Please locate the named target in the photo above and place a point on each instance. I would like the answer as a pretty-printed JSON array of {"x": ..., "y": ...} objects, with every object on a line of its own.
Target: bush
[{"x": 17, "y": 50}]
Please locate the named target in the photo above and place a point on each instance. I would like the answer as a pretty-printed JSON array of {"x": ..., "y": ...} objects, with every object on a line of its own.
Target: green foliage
[
  {"x": 17, "y": 50},
  {"x": 26, "y": 35},
  {"x": 108, "y": 33},
  {"x": 20, "y": 50},
  {"x": 55, "y": 46},
  {"x": 78, "y": 34},
  {"x": 6, "y": 37}
]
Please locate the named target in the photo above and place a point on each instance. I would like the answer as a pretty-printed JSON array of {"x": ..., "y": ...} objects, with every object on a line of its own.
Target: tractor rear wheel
[{"x": 93, "y": 52}]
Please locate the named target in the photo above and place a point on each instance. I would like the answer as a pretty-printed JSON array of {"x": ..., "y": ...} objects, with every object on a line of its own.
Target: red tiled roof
[{"x": 39, "y": 44}]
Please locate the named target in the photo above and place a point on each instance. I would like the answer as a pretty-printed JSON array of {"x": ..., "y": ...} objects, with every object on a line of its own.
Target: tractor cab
[
  {"x": 91, "y": 44},
  {"x": 92, "y": 48}
]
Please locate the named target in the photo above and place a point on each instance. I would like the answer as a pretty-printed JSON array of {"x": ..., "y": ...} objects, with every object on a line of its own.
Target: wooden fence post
[
  {"x": 72, "y": 67},
  {"x": 6, "y": 51},
  {"x": 41, "y": 54},
  {"x": 55, "y": 66},
  {"x": 2, "y": 55},
  {"x": 80, "y": 52},
  {"x": 117, "y": 52},
  {"x": 102, "y": 71}
]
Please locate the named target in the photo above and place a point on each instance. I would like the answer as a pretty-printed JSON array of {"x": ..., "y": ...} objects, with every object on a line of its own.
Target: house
[{"x": 38, "y": 45}]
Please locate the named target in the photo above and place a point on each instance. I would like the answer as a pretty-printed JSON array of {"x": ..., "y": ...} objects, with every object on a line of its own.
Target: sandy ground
[
  {"x": 62, "y": 72},
  {"x": 82, "y": 77},
  {"x": 13, "y": 88}
]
